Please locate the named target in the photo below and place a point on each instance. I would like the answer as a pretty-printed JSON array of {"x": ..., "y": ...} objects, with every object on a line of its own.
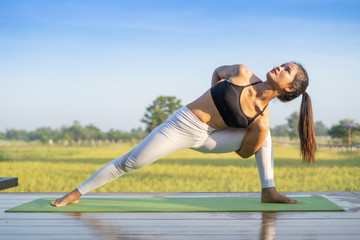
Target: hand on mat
[
  {"x": 270, "y": 195},
  {"x": 69, "y": 198}
]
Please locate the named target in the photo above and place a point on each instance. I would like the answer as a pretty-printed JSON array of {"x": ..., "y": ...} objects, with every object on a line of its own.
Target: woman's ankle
[{"x": 75, "y": 194}]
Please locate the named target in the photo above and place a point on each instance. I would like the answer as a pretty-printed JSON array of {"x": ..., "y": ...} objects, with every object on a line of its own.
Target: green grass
[{"x": 61, "y": 169}]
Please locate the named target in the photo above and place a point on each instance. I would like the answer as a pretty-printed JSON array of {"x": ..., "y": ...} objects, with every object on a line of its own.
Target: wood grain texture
[{"x": 203, "y": 225}]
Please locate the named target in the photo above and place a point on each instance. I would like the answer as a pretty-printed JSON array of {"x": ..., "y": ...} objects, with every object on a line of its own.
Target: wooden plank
[
  {"x": 134, "y": 216},
  {"x": 179, "y": 237},
  {"x": 199, "y": 216},
  {"x": 176, "y": 222},
  {"x": 186, "y": 230},
  {"x": 220, "y": 225}
]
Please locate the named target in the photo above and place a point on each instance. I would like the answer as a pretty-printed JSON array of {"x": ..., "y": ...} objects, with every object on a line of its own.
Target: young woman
[{"x": 231, "y": 116}]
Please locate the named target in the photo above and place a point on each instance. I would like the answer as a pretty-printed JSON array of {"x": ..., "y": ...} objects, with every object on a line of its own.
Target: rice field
[{"x": 61, "y": 169}]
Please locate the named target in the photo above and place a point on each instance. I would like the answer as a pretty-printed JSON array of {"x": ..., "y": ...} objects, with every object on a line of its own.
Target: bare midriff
[{"x": 204, "y": 108}]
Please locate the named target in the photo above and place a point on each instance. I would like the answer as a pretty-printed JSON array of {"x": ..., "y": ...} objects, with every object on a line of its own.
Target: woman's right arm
[
  {"x": 255, "y": 135},
  {"x": 225, "y": 72},
  {"x": 254, "y": 138}
]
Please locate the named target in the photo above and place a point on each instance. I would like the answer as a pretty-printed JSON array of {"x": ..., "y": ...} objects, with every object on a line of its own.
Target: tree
[
  {"x": 320, "y": 129},
  {"x": 2, "y": 136},
  {"x": 138, "y": 133},
  {"x": 13, "y": 134},
  {"x": 280, "y": 131},
  {"x": 92, "y": 132},
  {"x": 338, "y": 131},
  {"x": 42, "y": 134},
  {"x": 114, "y": 135},
  {"x": 161, "y": 108},
  {"x": 75, "y": 131},
  {"x": 293, "y": 121},
  {"x": 117, "y": 135}
]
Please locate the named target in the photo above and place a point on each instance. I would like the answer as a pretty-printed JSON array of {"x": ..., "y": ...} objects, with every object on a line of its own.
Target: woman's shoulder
[
  {"x": 243, "y": 76},
  {"x": 244, "y": 71}
]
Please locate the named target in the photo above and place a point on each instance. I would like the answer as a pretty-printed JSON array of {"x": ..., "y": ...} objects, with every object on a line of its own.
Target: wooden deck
[{"x": 213, "y": 225}]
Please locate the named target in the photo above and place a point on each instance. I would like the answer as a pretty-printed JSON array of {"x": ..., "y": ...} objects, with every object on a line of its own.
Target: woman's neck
[{"x": 265, "y": 93}]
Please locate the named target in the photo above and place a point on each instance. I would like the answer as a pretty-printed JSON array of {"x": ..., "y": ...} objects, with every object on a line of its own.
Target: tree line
[
  {"x": 156, "y": 113},
  {"x": 73, "y": 134},
  {"x": 337, "y": 131}
]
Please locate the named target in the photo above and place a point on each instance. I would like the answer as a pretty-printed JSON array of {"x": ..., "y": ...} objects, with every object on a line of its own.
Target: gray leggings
[{"x": 180, "y": 131}]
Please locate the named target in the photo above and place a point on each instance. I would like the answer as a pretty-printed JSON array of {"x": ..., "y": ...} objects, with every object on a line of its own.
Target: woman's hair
[{"x": 306, "y": 128}]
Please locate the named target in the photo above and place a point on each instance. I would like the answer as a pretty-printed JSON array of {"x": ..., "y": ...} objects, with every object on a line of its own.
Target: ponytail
[
  {"x": 306, "y": 123},
  {"x": 306, "y": 130}
]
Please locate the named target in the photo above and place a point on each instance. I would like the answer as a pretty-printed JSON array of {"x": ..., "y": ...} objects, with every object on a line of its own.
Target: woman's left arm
[{"x": 227, "y": 71}]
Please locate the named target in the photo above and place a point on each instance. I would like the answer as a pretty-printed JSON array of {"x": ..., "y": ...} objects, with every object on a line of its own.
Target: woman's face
[{"x": 282, "y": 77}]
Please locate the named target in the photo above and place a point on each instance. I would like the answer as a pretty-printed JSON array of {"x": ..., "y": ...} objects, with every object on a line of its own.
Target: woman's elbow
[
  {"x": 246, "y": 155},
  {"x": 243, "y": 154}
]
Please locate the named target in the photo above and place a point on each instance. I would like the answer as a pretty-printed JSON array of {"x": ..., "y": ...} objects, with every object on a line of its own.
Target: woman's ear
[{"x": 290, "y": 89}]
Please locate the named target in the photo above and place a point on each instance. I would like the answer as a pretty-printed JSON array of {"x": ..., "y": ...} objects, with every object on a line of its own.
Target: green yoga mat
[{"x": 181, "y": 204}]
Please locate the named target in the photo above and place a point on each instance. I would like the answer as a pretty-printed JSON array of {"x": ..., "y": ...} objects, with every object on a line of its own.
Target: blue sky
[{"x": 104, "y": 62}]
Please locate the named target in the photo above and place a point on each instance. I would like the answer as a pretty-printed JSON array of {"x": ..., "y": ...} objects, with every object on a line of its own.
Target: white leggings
[{"x": 180, "y": 131}]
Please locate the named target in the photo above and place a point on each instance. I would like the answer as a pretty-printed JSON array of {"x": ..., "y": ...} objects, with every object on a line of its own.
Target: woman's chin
[{"x": 268, "y": 76}]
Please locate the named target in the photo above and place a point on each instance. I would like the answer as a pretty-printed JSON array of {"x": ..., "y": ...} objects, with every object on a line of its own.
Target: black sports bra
[{"x": 226, "y": 97}]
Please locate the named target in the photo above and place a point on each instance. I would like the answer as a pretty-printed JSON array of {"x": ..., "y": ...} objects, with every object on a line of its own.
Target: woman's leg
[
  {"x": 159, "y": 143},
  {"x": 230, "y": 140},
  {"x": 265, "y": 162},
  {"x": 180, "y": 131}
]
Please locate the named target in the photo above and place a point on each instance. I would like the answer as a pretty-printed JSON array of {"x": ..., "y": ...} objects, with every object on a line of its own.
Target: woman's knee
[{"x": 129, "y": 163}]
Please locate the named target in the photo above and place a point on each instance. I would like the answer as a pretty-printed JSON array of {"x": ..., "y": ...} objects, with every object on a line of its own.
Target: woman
[{"x": 218, "y": 122}]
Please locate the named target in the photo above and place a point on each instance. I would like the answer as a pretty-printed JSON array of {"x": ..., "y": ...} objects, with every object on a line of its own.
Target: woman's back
[{"x": 230, "y": 104}]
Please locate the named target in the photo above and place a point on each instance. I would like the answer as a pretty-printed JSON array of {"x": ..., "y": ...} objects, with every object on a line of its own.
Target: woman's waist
[{"x": 205, "y": 110}]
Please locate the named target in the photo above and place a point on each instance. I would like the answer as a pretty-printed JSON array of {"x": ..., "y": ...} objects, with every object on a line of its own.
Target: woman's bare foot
[
  {"x": 270, "y": 195},
  {"x": 70, "y": 198}
]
